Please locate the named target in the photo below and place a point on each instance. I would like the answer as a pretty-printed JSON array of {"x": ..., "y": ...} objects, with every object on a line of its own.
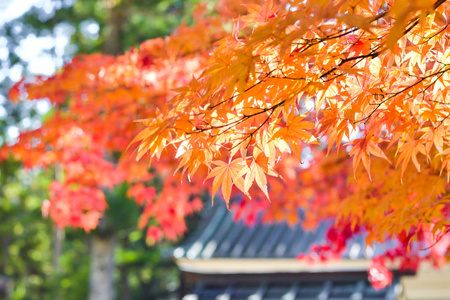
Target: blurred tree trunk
[
  {"x": 58, "y": 240},
  {"x": 118, "y": 11},
  {"x": 104, "y": 239},
  {"x": 58, "y": 235},
  {"x": 102, "y": 267},
  {"x": 117, "y": 16},
  {"x": 125, "y": 293},
  {"x": 57, "y": 245}
]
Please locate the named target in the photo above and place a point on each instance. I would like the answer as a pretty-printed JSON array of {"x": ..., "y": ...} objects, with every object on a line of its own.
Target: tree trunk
[
  {"x": 104, "y": 239},
  {"x": 102, "y": 267},
  {"x": 117, "y": 15},
  {"x": 58, "y": 241},
  {"x": 58, "y": 236},
  {"x": 125, "y": 293}
]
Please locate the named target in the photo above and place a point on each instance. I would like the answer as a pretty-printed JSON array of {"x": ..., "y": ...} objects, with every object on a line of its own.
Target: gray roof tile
[{"x": 220, "y": 237}]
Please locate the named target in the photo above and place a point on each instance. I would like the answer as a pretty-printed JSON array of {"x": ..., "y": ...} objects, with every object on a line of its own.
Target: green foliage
[
  {"x": 26, "y": 245},
  {"x": 24, "y": 235},
  {"x": 122, "y": 211}
]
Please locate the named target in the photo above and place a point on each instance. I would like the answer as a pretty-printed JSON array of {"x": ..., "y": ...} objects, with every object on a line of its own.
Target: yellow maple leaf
[{"x": 226, "y": 175}]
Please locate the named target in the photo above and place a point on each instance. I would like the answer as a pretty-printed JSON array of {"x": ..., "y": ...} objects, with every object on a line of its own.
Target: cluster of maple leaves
[
  {"x": 361, "y": 79},
  {"x": 285, "y": 107},
  {"x": 96, "y": 101}
]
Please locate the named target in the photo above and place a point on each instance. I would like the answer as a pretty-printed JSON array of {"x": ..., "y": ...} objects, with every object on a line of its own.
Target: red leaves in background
[
  {"x": 141, "y": 194},
  {"x": 154, "y": 235},
  {"x": 95, "y": 101},
  {"x": 79, "y": 207},
  {"x": 379, "y": 275}
]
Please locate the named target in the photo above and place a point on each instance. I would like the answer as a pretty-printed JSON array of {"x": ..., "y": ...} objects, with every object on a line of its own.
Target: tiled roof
[
  {"x": 220, "y": 237},
  {"x": 331, "y": 289}
]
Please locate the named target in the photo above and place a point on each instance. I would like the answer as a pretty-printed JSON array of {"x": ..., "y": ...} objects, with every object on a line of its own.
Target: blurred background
[{"x": 37, "y": 259}]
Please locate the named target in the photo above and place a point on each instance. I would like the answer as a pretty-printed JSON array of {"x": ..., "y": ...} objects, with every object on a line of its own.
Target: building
[{"x": 226, "y": 260}]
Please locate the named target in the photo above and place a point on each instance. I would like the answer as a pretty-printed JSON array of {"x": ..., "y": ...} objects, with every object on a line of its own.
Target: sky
[
  {"x": 34, "y": 52},
  {"x": 11, "y": 9},
  {"x": 31, "y": 50}
]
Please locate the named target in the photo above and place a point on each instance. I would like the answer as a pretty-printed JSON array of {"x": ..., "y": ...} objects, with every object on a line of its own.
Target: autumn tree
[
  {"x": 131, "y": 23},
  {"x": 337, "y": 108},
  {"x": 96, "y": 99},
  {"x": 364, "y": 82}
]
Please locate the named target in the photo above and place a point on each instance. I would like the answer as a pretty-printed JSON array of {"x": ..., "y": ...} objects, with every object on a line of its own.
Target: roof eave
[{"x": 269, "y": 266}]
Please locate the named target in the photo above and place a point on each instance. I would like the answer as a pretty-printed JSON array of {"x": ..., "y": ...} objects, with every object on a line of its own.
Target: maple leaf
[
  {"x": 354, "y": 20},
  {"x": 226, "y": 175},
  {"x": 295, "y": 132},
  {"x": 362, "y": 149},
  {"x": 257, "y": 172},
  {"x": 260, "y": 13},
  {"x": 408, "y": 151}
]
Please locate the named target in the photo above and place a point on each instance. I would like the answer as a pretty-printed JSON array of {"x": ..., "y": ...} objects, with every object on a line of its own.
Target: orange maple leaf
[
  {"x": 295, "y": 132},
  {"x": 361, "y": 151},
  {"x": 227, "y": 175}
]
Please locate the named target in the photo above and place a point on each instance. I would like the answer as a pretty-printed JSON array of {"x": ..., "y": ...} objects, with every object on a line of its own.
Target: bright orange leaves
[
  {"x": 372, "y": 76},
  {"x": 368, "y": 78},
  {"x": 296, "y": 133}
]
